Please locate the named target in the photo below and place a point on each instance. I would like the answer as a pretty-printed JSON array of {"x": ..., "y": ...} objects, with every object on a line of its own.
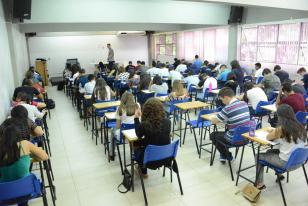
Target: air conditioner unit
[{"x": 131, "y": 33}]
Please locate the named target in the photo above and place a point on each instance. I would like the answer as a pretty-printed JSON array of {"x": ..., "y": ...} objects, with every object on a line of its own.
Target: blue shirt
[
  {"x": 234, "y": 114},
  {"x": 198, "y": 63},
  {"x": 223, "y": 76}
]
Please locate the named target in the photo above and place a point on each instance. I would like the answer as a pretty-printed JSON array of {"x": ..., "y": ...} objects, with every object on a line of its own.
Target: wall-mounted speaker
[
  {"x": 236, "y": 14},
  {"x": 22, "y": 9}
]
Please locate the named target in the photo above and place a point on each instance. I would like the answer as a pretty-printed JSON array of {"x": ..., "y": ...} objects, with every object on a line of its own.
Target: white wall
[
  {"x": 11, "y": 54},
  {"x": 88, "y": 50}
]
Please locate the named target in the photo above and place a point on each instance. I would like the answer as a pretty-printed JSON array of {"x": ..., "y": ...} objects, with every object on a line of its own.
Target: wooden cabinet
[{"x": 41, "y": 68}]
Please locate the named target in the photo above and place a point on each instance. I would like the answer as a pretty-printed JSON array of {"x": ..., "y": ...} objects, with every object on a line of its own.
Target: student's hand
[{"x": 138, "y": 113}]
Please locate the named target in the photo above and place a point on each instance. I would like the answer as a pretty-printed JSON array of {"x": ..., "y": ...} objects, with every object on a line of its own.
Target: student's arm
[
  {"x": 37, "y": 152},
  {"x": 138, "y": 127},
  {"x": 274, "y": 134},
  {"x": 278, "y": 99},
  {"x": 39, "y": 114}
]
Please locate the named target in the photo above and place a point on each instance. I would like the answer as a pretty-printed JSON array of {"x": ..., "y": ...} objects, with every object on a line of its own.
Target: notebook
[{"x": 261, "y": 134}]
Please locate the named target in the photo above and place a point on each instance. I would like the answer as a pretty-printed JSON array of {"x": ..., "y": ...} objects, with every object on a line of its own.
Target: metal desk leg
[
  {"x": 257, "y": 166},
  {"x": 131, "y": 146}
]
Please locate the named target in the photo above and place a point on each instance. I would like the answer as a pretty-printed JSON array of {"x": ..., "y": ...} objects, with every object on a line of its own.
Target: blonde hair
[
  {"x": 128, "y": 104},
  {"x": 178, "y": 88}
]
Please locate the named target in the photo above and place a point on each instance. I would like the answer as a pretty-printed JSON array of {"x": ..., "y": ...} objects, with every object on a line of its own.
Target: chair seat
[
  {"x": 110, "y": 124},
  {"x": 195, "y": 124}
]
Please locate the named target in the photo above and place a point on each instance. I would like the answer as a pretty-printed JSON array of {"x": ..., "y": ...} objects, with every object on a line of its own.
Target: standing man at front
[{"x": 110, "y": 57}]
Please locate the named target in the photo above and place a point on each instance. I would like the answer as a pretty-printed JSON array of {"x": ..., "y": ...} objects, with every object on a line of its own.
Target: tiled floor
[{"x": 83, "y": 176}]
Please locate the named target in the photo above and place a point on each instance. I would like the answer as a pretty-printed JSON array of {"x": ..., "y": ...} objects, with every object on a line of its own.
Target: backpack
[
  {"x": 127, "y": 181},
  {"x": 50, "y": 104}
]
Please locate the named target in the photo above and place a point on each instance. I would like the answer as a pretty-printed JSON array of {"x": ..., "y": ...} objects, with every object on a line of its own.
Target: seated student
[
  {"x": 178, "y": 91},
  {"x": 304, "y": 75},
  {"x": 296, "y": 101},
  {"x": 209, "y": 82},
  {"x": 122, "y": 74},
  {"x": 234, "y": 114},
  {"x": 223, "y": 75},
  {"x": 143, "y": 68},
  {"x": 33, "y": 112},
  {"x": 75, "y": 72},
  {"x": 231, "y": 82},
  {"x": 174, "y": 75},
  {"x": 290, "y": 134},
  {"x": 155, "y": 70},
  {"x": 182, "y": 67},
  {"x": 164, "y": 72},
  {"x": 15, "y": 153},
  {"x": 259, "y": 70},
  {"x": 82, "y": 80},
  {"x": 113, "y": 71},
  {"x": 282, "y": 75},
  {"x": 154, "y": 128},
  {"x": 130, "y": 68},
  {"x": 270, "y": 82},
  {"x": 102, "y": 91},
  {"x": 191, "y": 79},
  {"x": 27, "y": 127},
  {"x": 102, "y": 68},
  {"x": 29, "y": 75},
  {"x": 253, "y": 95},
  {"x": 145, "y": 80},
  {"x": 28, "y": 89},
  {"x": 125, "y": 114},
  {"x": 89, "y": 87},
  {"x": 237, "y": 70},
  {"x": 204, "y": 66},
  {"x": 158, "y": 86}
]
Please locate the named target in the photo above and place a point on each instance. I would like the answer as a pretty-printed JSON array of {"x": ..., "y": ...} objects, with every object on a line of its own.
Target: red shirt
[{"x": 296, "y": 101}]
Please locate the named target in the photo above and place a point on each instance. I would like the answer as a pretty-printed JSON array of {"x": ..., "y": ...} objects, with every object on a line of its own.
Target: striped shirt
[{"x": 234, "y": 114}]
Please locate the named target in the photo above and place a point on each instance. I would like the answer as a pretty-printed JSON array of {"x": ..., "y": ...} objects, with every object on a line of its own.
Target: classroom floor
[{"x": 83, "y": 176}]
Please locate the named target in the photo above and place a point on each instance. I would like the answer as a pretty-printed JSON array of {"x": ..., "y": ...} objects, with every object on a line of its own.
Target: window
[
  {"x": 303, "y": 47},
  {"x": 248, "y": 50},
  {"x": 267, "y": 40},
  {"x": 165, "y": 44}
]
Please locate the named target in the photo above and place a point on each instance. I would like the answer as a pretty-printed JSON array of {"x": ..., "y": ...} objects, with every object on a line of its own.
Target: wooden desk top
[
  {"x": 207, "y": 116},
  {"x": 271, "y": 107},
  {"x": 191, "y": 105},
  {"x": 87, "y": 97},
  {"x": 162, "y": 98},
  {"x": 260, "y": 136},
  {"x": 130, "y": 135},
  {"x": 110, "y": 115},
  {"x": 104, "y": 105}
]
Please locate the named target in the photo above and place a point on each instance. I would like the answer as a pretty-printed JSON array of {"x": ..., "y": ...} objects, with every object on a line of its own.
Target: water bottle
[
  {"x": 252, "y": 127},
  {"x": 210, "y": 87},
  {"x": 238, "y": 90}
]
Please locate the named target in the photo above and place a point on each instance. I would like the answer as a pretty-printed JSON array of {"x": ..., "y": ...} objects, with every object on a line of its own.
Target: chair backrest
[
  {"x": 205, "y": 111},
  {"x": 272, "y": 96},
  {"x": 155, "y": 153},
  {"x": 191, "y": 89},
  {"x": 237, "y": 135},
  {"x": 160, "y": 94},
  {"x": 259, "y": 79},
  {"x": 259, "y": 110},
  {"x": 306, "y": 99},
  {"x": 26, "y": 188},
  {"x": 298, "y": 157},
  {"x": 301, "y": 117}
]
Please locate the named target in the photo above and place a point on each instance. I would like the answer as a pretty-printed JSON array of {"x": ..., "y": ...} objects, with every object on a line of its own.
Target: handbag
[
  {"x": 251, "y": 193},
  {"x": 127, "y": 182}
]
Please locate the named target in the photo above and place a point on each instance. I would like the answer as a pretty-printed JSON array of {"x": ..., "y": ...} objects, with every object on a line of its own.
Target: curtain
[
  {"x": 303, "y": 50},
  {"x": 248, "y": 44},
  {"x": 267, "y": 40}
]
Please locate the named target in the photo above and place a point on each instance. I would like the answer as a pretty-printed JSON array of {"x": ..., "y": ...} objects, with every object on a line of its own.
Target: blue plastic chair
[
  {"x": 306, "y": 100},
  {"x": 161, "y": 95},
  {"x": 302, "y": 117},
  {"x": 259, "y": 79},
  {"x": 297, "y": 158},
  {"x": 237, "y": 141},
  {"x": 260, "y": 113},
  {"x": 272, "y": 96},
  {"x": 22, "y": 190},
  {"x": 206, "y": 96},
  {"x": 199, "y": 123},
  {"x": 192, "y": 90},
  {"x": 161, "y": 156}
]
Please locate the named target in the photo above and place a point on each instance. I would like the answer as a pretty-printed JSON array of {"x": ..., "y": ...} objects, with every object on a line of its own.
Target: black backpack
[
  {"x": 127, "y": 182},
  {"x": 50, "y": 104}
]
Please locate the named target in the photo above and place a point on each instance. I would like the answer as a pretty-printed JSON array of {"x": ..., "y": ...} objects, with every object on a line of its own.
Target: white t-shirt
[
  {"x": 89, "y": 87},
  {"x": 207, "y": 82},
  {"x": 181, "y": 68},
  {"x": 175, "y": 75},
  {"x": 125, "y": 119},
  {"x": 164, "y": 72},
  {"x": 194, "y": 79},
  {"x": 159, "y": 89},
  {"x": 75, "y": 76},
  {"x": 33, "y": 112},
  {"x": 287, "y": 148},
  {"x": 154, "y": 71},
  {"x": 259, "y": 73},
  {"x": 255, "y": 95}
]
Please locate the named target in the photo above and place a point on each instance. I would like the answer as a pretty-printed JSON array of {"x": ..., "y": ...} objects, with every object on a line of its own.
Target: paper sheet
[{"x": 262, "y": 136}]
